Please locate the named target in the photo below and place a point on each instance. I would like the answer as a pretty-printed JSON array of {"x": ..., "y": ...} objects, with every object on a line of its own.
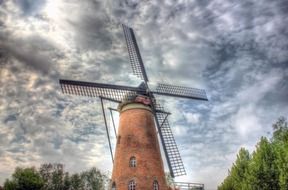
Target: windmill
[{"x": 140, "y": 95}]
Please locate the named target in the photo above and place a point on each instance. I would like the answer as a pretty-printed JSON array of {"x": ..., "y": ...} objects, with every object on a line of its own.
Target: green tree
[
  {"x": 23, "y": 179},
  {"x": 240, "y": 168},
  {"x": 267, "y": 168},
  {"x": 280, "y": 133},
  {"x": 9, "y": 185},
  {"x": 263, "y": 173},
  {"x": 169, "y": 179},
  {"x": 93, "y": 179},
  {"x": 280, "y": 143},
  {"x": 76, "y": 182},
  {"x": 237, "y": 175},
  {"x": 53, "y": 176},
  {"x": 67, "y": 182},
  {"x": 227, "y": 184}
]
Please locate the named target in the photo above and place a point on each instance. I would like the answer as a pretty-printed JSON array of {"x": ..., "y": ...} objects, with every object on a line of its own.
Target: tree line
[
  {"x": 266, "y": 168},
  {"x": 53, "y": 177}
]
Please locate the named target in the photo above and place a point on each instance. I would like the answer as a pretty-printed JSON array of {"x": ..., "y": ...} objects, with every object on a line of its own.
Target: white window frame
[
  {"x": 132, "y": 185},
  {"x": 132, "y": 162},
  {"x": 155, "y": 185}
]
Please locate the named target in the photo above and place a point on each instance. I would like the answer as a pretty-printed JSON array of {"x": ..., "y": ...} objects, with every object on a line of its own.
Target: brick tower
[{"x": 138, "y": 163}]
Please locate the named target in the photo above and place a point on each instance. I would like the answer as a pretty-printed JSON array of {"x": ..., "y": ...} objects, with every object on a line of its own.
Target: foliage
[
  {"x": 52, "y": 177},
  {"x": 93, "y": 179},
  {"x": 169, "y": 179},
  {"x": 266, "y": 168},
  {"x": 24, "y": 178}
]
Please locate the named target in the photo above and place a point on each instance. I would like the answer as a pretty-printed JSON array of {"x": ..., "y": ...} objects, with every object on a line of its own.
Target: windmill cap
[{"x": 132, "y": 105}]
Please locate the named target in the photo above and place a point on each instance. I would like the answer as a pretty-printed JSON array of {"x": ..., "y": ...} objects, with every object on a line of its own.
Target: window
[
  {"x": 132, "y": 162},
  {"x": 155, "y": 185},
  {"x": 113, "y": 186},
  {"x": 132, "y": 185}
]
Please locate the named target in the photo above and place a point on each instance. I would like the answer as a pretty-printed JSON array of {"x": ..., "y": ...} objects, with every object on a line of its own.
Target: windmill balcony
[{"x": 187, "y": 186}]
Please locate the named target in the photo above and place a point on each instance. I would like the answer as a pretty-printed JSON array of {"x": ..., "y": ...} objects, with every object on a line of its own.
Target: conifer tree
[{"x": 266, "y": 168}]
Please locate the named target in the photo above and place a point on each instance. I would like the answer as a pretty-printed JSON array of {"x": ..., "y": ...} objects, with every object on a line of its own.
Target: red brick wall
[{"x": 137, "y": 137}]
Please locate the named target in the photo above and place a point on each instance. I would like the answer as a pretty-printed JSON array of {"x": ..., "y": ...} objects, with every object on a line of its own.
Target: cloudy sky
[{"x": 235, "y": 50}]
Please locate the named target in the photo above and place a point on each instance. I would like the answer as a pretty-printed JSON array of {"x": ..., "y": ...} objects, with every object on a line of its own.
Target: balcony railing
[{"x": 188, "y": 186}]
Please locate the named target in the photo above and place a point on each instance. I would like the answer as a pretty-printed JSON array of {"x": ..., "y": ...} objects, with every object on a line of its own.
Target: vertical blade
[
  {"x": 170, "y": 148},
  {"x": 134, "y": 54}
]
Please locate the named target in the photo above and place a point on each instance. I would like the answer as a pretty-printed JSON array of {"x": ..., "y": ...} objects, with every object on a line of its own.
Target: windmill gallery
[{"x": 138, "y": 163}]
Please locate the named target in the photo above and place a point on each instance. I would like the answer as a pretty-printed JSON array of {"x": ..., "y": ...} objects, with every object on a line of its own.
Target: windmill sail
[
  {"x": 134, "y": 54},
  {"x": 180, "y": 91},
  {"x": 170, "y": 148},
  {"x": 108, "y": 91}
]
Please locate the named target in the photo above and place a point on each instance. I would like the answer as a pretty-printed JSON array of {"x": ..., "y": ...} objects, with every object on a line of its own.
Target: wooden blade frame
[
  {"x": 181, "y": 92},
  {"x": 111, "y": 92},
  {"x": 134, "y": 54},
  {"x": 173, "y": 158}
]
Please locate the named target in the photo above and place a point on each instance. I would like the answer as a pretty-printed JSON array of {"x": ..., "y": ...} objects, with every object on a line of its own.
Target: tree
[
  {"x": 227, "y": 184},
  {"x": 267, "y": 168},
  {"x": 280, "y": 133},
  {"x": 67, "y": 182},
  {"x": 240, "y": 168},
  {"x": 280, "y": 142},
  {"x": 237, "y": 175},
  {"x": 263, "y": 173},
  {"x": 23, "y": 179},
  {"x": 9, "y": 185},
  {"x": 53, "y": 176},
  {"x": 76, "y": 182},
  {"x": 93, "y": 179},
  {"x": 169, "y": 179}
]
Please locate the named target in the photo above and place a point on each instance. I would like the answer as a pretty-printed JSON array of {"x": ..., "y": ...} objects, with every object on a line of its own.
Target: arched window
[
  {"x": 132, "y": 185},
  {"x": 155, "y": 185},
  {"x": 113, "y": 186},
  {"x": 132, "y": 162}
]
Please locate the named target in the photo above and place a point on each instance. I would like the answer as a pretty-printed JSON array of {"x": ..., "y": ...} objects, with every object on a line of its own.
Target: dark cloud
[
  {"x": 33, "y": 51},
  {"x": 29, "y": 7},
  {"x": 93, "y": 33},
  {"x": 10, "y": 118}
]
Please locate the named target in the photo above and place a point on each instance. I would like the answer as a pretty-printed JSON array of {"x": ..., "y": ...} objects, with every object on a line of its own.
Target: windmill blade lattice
[
  {"x": 108, "y": 91},
  {"x": 180, "y": 91},
  {"x": 169, "y": 145},
  {"x": 134, "y": 54}
]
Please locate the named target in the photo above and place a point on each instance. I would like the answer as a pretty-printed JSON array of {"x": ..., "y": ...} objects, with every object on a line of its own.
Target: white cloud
[
  {"x": 192, "y": 118},
  {"x": 246, "y": 121}
]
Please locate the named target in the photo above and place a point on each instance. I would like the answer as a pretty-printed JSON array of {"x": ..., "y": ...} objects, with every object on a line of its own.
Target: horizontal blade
[
  {"x": 174, "y": 161},
  {"x": 134, "y": 54},
  {"x": 108, "y": 91},
  {"x": 180, "y": 91}
]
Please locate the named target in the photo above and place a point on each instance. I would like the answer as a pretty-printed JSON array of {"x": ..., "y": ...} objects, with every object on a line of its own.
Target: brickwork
[{"x": 137, "y": 137}]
